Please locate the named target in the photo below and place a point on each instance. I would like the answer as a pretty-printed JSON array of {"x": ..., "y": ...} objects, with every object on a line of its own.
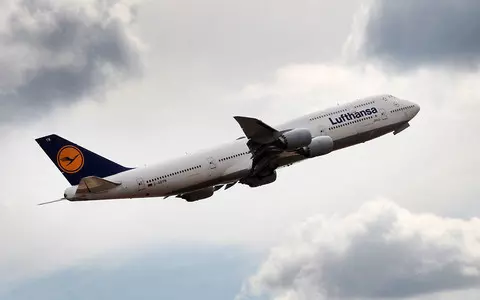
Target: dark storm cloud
[
  {"x": 412, "y": 33},
  {"x": 56, "y": 54}
]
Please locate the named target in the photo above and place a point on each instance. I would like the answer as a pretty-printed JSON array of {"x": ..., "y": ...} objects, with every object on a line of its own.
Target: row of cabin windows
[
  {"x": 233, "y": 156},
  {"x": 402, "y": 108},
  {"x": 174, "y": 173},
  {"x": 351, "y": 122},
  {"x": 365, "y": 104},
  {"x": 329, "y": 114}
]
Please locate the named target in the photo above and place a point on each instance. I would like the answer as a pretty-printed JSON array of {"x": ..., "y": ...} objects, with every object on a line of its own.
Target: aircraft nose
[
  {"x": 416, "y": 109},
  {"x": 413, "y": 110}
]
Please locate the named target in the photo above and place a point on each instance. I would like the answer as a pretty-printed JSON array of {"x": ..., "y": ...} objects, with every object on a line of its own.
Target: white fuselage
[{"x": 347, "y": 125}]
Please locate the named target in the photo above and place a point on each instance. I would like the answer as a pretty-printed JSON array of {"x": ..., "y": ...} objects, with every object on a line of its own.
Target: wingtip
[{"x": 242, "y": 118}]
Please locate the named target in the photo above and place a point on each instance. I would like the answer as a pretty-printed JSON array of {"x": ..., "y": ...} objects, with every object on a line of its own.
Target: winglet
[{"x": 257, "y": 131}]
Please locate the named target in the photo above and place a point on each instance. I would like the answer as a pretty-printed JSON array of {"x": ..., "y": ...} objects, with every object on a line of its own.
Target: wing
[
  {"x": 265, "y": 145},
  {"x": 257, "y": 131}
]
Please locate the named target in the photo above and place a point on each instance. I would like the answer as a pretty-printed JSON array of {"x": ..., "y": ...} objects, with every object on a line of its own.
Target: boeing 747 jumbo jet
[{"x": 251, "y": 159}]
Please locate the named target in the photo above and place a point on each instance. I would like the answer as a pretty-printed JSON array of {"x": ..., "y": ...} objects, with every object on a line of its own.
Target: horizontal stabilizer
[
  {"x": 93, "y": 184},
  {"x": 257, "y": 131}
]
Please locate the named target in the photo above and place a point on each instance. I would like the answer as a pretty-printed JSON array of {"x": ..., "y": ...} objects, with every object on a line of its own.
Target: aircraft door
[
  {"x": 140, "y": 184},
  {"x": 383, "y": 114},
  {"x": 323, "y": 131},
  {"x": 212, "y": 165},
  {"x": 395, "y": 102}
]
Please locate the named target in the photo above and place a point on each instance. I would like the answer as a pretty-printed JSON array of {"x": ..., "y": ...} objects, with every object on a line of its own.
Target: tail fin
[{"x": 76, "y": 162}]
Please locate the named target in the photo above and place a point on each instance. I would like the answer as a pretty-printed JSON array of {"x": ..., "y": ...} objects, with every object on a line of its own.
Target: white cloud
[
  {"x": 410, "y": 167},
  {"x": 404, "y": 167},
  {"x": 380, "y": 251},
  {"x": 231, "y": 43},
  {"x": 178, "y": 108},
  {"x": 326, "y": 84}
]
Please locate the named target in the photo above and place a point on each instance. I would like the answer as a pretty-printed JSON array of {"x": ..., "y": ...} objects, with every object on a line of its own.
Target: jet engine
[
  {"x": 198, "y": 195},
  {"x": 296, "y": 138},
  {"x": 320, "y": 145},
  {"x": 259, "y": 181}
]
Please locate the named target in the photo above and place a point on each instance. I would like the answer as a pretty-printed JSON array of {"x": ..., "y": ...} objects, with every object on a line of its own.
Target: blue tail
[{"x": 76, "y": 162}]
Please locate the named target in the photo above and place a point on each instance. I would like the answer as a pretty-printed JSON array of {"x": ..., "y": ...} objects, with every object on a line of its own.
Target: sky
[{"x": 142, "y": 82}]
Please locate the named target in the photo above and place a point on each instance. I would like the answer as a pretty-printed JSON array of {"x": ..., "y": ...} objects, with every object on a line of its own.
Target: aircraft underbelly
[
  {"x": 363, "y": 136},
  {"x": 213, "y": 181}
]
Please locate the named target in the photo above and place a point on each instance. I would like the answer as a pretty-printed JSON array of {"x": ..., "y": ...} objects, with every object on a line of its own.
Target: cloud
[
  {"x": 324, "y": 84},
  {"x": 55, "y": 237},
  {"x": 233, "y": 43},
  {"x": 380, "y": 251},
  {"x": 409, "y": 34},
  {"x": 411, "y": 167},
  {"x": 177, "y": 271},
  {"x": 57, "y": 52}
]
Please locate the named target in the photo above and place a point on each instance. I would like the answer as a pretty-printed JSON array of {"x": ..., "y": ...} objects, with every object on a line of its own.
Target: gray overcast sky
[
  {"x": 146, "y": 81},
  {"x": 430, "y": 32},
  {"x": 54, "y": 54}
]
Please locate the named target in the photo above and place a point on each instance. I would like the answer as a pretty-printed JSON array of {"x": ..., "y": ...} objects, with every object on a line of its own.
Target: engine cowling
[
  {"x": 296, "y": 138},
  {"x": 259, "y": 181},
  {"x": 198, "y": 195},
  {"x": 320, "y": 145}
]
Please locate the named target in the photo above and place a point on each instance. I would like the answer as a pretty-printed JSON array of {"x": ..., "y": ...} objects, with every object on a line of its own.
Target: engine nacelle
[
  {"x": 296, "y": 138},
  {"x": 257, "y": 181},
  {"x": 198, "y": 195},
  {"x": 320, "y": 145}
]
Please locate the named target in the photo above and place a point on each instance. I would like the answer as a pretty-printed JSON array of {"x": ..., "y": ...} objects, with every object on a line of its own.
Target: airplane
[{"x": 252, "y": 159}]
